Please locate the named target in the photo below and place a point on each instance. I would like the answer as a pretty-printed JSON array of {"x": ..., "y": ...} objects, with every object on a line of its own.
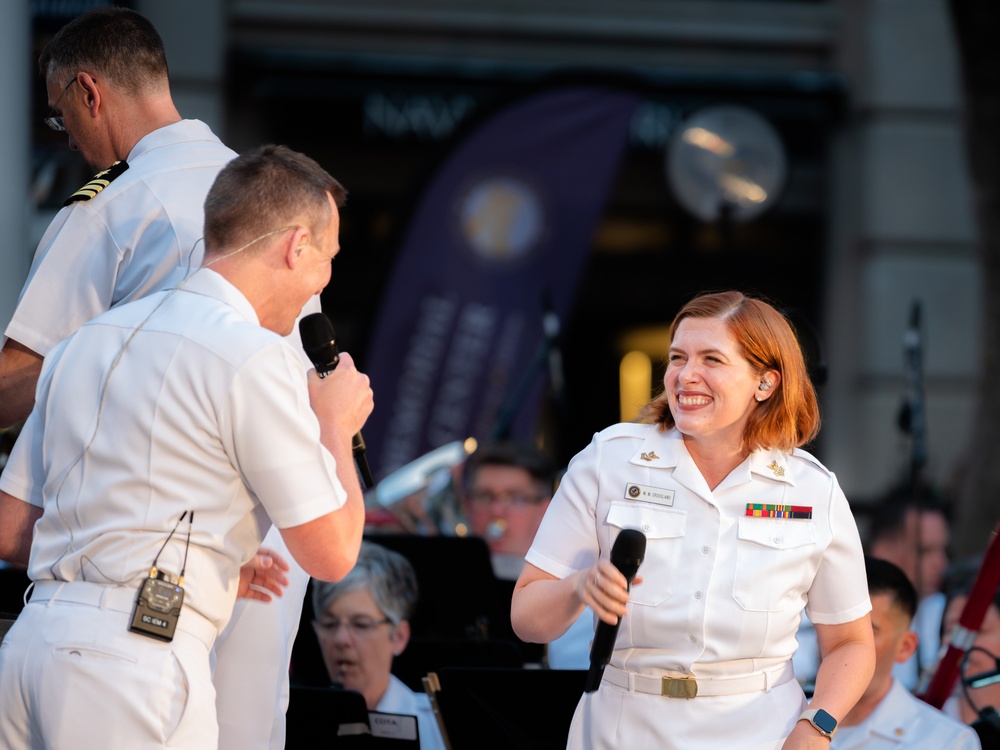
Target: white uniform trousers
[
  {"x": 250, "y": 663},
  {"x": 73, "y": 676}
]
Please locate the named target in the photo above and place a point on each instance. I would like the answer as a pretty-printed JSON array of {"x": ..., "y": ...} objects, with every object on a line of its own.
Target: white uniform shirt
[
  {"x": 902, "y": 721},
  {"x": 718, "y": 586},
  {"x": 722, "y": 592},
  {"x": 155, "y": 205},
  {"x": 399, "y": 699},
  {"x": 204, "y": 410}
]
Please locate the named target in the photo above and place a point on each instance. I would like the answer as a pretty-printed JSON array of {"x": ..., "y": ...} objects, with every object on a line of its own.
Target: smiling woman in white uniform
[{"x": 743, "y": 530}]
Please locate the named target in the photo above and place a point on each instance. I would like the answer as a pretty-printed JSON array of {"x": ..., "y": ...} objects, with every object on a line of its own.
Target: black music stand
[
  {"x": 527, "y": 709},
  {"x": 334, "y": 719},
  {"x": 430, "y": 654},
  {"x": 13, "y": 583},
  {"x": 460, "y": 597}
]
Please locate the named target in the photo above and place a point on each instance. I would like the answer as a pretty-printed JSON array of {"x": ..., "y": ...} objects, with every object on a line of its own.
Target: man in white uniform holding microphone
[
  {"x": 167, "y": 432},
  {"x": 132, "y": 230}
]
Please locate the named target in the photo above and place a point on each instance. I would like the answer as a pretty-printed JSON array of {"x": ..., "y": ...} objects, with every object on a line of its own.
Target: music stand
[
  {"x": 13, "y": 583},
  {"x": 429, "y": 654},
  {"x": 530, "y": 709},
  {"x": 460, "y": 597},
  {"x": 456, "y": 582},
  {"x": 336, "y": 719}
]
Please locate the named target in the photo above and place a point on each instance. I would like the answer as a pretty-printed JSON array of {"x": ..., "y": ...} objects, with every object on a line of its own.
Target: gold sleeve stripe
[{"x": 97, "y": 183}]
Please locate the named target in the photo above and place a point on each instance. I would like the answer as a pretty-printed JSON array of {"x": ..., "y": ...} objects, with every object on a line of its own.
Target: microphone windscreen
[
  {"x": 319, "y": 342},
  {"x": 627, "y": 552}
]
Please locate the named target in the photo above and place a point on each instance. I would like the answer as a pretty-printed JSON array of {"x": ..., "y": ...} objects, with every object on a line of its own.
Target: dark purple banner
[{"x": 507, "y": 222}]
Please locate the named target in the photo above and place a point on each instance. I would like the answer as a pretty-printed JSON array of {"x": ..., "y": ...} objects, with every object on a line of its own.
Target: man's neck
[
  {"x": 867, "y": 703},
  {"x": 151, "y": 115}
]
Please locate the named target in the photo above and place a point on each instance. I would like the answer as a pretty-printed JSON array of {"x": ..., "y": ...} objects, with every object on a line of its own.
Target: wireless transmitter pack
[
  {"x": 159, "y": 601},
  {"x": 157, "y": 607}
]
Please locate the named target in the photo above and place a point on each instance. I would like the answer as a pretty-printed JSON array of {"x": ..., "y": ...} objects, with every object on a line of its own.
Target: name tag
[
  {"x": 394, "y": 726},
  {"x": 649, "y": 494}
]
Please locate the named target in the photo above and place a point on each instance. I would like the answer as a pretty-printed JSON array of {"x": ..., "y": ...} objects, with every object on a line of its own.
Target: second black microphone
[
  {"x": 626, "y": 554},
  {"x": 320, "y": 344}
]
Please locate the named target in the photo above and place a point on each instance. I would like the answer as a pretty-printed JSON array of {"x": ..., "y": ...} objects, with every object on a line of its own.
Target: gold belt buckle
[{"x": 679, "y": 687}]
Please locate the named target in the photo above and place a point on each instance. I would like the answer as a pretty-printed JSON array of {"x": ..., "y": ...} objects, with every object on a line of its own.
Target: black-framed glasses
[
  {"x": 56, "y": 121},
  {"x": 356, "y": 626},
  {"x": 517, "y": 499},
  {"x": 980, "y": 679}
]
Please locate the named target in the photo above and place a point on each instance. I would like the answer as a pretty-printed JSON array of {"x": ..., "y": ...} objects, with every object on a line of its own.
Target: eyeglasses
[
  {"x": 517, "y": 499},
  {"x": 56, "y": 121},
  {"x": 356, "y": 626}
]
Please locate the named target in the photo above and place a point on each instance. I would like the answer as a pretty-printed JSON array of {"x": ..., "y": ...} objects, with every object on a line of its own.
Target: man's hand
[
  {"x": 342, "y": 400},
  {"x": 263, "y": 575}
]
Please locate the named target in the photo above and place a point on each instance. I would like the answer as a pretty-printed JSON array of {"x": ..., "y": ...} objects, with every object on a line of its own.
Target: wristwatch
[{"x": 825, "y": 724}]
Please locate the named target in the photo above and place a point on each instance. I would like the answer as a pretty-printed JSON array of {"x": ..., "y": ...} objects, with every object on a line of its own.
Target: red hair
[{"x": 790, "y": 417}]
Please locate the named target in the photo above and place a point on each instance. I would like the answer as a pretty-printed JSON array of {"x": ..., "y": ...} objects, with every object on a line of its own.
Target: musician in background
[
  {"x": 887, "y": 714},
  {"x": 913, "y": 533},
  {"x": 362, "y": 623},
  {"x": 509, "y": 488},
  {"x": 970, "y": 704}
]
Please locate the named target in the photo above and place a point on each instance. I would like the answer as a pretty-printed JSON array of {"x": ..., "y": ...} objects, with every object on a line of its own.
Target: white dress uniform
[
  {"x": 399, "y": 699},
  {"x": 722, "y": 592},
  {"x": 902, "y": 721},
  {"x": 139, "y": 234},
  {"x": 201, "y": 409}
]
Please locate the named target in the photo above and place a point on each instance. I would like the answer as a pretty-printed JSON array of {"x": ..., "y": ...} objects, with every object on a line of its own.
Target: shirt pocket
[
  {"x": 772, "y": 563},
  {"x": 664, "y": 529}
]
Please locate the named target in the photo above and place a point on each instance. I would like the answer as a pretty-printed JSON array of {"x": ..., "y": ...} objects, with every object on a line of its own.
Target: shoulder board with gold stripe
[{"x": 99, "y": 181}]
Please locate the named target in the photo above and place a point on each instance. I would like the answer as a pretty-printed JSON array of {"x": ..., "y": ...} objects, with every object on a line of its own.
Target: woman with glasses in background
[{"x": 362, "y": 623}]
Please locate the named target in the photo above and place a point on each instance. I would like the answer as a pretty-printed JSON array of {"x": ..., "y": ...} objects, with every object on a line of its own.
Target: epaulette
[{"x": 99, "y": 181}]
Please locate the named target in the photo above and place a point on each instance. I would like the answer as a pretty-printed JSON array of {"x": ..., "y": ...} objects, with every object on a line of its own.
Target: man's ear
[
  {"x": 907, "y": 645},
  {"x": 91, "y": 92},
  {"x": 296, "y": 245}
]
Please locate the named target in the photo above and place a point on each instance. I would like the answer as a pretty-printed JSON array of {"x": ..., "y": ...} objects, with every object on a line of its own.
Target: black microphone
[
  {"x": 320, "y": 344},
  {"x": 626, "y": 555}
]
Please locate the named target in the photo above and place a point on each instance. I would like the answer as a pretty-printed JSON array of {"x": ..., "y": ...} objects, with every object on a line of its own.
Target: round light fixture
[{"x": 726, "y": 162}]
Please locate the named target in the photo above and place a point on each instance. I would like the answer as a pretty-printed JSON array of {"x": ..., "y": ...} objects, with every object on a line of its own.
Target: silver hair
[{"x": 386, "y": 575}]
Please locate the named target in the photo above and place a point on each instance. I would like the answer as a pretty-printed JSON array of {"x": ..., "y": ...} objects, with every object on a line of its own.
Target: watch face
[{"x": 824, "y": 721}]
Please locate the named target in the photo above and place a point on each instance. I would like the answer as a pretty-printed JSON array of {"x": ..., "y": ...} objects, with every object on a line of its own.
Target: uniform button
[
  {"x": 645, "y": 526},
  {"x": 697, "y": 595},
  {"x": 694, "y": 638},
  {"x": 705, "y": 550},
  {"x": 779, "y": 539}
]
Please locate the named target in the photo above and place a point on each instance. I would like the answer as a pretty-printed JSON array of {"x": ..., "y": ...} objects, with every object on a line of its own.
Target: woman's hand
[
  {"x": 262, "y": 576},
  {"x": 605, "y": 590}
]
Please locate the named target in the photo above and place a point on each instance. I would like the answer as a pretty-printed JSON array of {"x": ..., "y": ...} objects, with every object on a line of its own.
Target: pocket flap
[
  {"x": 779, "y": 533},
  {"x": 656, "y": 522}
]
